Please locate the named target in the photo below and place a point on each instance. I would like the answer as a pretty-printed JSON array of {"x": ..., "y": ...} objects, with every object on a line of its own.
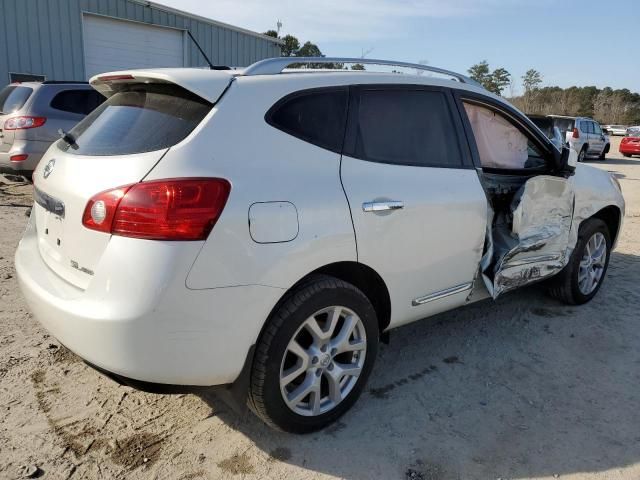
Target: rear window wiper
[{"x": 68, "y": 138}]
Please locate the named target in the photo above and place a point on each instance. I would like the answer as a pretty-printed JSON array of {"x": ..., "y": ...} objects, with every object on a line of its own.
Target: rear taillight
[
  {"x": 18, "y": 158},
  {"x": 625, "y": 140},
  {"x": 24, "y": 123},
  {"x": 173, "y": 209},
  {"x": 576, "y": 133}
]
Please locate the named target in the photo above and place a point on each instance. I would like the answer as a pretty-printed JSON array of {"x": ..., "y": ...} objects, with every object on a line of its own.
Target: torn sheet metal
[{"x": 537, "y": 245}]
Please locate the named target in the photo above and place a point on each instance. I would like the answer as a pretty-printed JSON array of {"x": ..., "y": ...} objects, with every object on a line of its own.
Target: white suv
[
  {"x": 584, "y": 135},
  {"x": 262, "y": 229}
]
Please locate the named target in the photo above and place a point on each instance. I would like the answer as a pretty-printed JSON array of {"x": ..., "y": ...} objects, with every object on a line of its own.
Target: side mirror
[{"x": 568, "y": 160}]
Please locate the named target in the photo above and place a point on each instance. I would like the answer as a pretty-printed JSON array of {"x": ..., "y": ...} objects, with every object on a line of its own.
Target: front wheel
[
  {"x": 314, "y": 356},
  {"x": 582, "y": 277},
  {"x": 603, "y": 155}
]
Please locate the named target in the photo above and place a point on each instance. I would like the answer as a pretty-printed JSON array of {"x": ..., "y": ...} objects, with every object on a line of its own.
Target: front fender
[{"x": 595, "y": 189}]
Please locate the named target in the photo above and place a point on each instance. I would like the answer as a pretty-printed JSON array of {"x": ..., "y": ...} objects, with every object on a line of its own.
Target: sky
[{"x": 571, "y": 42}]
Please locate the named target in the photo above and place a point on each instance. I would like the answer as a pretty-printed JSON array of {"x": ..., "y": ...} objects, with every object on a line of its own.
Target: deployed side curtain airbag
[{"x": 500, "y": 143}]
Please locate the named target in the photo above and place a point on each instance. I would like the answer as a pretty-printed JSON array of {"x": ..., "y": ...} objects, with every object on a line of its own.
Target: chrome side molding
[{"x": 442, "y": 294}]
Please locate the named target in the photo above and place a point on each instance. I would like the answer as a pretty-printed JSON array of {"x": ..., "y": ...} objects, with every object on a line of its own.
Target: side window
[
  {"x": 406, "y": 127},
  {"x": 597, "y": 129},
  {"x": 585, "y": 127},
  {"x": 81, "y": 102},
  {"x": 315, "y": 116},
  {"x": 500, "y": 143}
]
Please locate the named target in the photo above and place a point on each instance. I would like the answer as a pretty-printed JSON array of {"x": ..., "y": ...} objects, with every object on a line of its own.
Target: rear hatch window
[
  {"x": 544, "y": 124},
  {"x": 140, "y": 118},
  {"x": 564, "y": 124},
  {"x": 13, "y": 98}
]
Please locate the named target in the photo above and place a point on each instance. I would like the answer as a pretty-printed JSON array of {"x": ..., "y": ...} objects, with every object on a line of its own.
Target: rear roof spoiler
[{"x": 207, "y": 84}]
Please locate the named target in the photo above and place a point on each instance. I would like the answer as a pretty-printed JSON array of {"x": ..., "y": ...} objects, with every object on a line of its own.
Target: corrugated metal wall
[{"x": 44, "y": 37}]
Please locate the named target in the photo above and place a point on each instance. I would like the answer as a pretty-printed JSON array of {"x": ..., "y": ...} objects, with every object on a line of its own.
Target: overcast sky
[{"x": 570, "y": 42}]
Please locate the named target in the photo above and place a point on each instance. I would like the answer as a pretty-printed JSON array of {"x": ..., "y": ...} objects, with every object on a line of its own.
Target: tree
[
  {"x": 500, "y": 79},
  {"x": 309, "y": 50},
  {"x": 495, "y": 81},
  {"x": 357, "y": 66},
  {"x": 271, "y": 33},
  {"x": 480, "y": 72},
  {"x": 290, "y": 47},
  {"x": 531, "y": 82}
]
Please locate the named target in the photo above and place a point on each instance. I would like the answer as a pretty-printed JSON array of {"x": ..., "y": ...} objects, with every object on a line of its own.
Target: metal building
[{"x": 75, "y": 39}]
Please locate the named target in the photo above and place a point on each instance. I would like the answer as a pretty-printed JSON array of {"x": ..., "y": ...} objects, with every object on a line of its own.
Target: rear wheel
[
  {"x": 314, "y": 356},
  {"x": 582, "y": 277},
  {"x": 583, "y": 154}
]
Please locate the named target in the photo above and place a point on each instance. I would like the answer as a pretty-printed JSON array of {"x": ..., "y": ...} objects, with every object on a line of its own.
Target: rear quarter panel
[{"x": 263, "y": 164}]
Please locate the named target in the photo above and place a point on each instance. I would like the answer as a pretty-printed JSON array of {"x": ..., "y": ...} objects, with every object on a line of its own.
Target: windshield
[
  {"x": 141, "y": 118},
  {"x": 13, "y": 98}
]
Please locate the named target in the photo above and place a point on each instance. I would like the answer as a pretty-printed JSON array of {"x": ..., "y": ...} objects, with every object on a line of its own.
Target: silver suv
[
  {"x": 584, "y": 135},
  {"x": 31, "y": 114}
]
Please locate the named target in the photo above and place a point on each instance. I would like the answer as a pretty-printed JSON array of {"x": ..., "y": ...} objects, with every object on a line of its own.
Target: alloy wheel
[
  {"x": 592, "y": 264},
  {"x": 323, "y": 361}
]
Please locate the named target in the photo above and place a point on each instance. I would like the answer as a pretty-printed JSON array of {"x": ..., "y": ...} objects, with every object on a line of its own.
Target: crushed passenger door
[{"x": 537, "y": 245}]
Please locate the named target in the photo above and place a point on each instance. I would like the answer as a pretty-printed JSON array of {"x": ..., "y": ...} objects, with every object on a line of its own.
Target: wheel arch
[
  {"x": 361, "y": 276},
  {"x": 612, "y": 217}
]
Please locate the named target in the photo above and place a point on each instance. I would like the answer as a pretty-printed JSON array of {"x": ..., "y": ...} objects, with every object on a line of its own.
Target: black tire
[
  {"x": 626, "y": 155},
  {"x": 603, "y": 155},
  {"x": 583, "y": 154},
  {"x": 564, "y": 286},
  {"x": 265, "y": 396}
]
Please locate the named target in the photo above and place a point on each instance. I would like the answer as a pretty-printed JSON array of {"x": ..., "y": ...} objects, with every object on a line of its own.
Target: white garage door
[{"x": 111, "y": 44}]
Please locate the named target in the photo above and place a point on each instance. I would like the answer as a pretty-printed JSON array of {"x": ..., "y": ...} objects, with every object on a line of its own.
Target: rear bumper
[
  {"x": 34, "y": 149},
  {"x": 138, "y": 320},
  {"x": 630, "y": 149}
]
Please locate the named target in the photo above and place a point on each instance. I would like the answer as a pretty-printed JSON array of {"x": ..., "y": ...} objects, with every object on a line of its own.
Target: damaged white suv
[{"x": 263, "y": 228}]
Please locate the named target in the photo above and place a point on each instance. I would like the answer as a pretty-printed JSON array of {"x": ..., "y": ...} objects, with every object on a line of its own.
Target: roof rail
[{"x": 273, "y": 66}]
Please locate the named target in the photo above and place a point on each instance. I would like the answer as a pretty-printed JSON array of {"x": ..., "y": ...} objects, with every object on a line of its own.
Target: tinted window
[
  {"x": 597, "y": 129},
  {"x": 81, "y": 102},
  {"x": 407, "y": 127},
  {"x": 564, "y": 124},
  {"x": 544, "y": 124},
  {"x": 501, "y": 144},
  {"x": 317, "y": 117},
  {"x": 586, "y": 127},
  {"x": 13, "y": 98},
  {"x": 142, "y": 118}
]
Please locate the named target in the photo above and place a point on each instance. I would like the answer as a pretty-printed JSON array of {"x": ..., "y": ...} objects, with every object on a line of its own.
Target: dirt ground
[{"x": 524, "y": 387}]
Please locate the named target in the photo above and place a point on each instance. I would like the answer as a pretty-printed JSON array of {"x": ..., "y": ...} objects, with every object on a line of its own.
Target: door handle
[{"x": 382, "y": 206}]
